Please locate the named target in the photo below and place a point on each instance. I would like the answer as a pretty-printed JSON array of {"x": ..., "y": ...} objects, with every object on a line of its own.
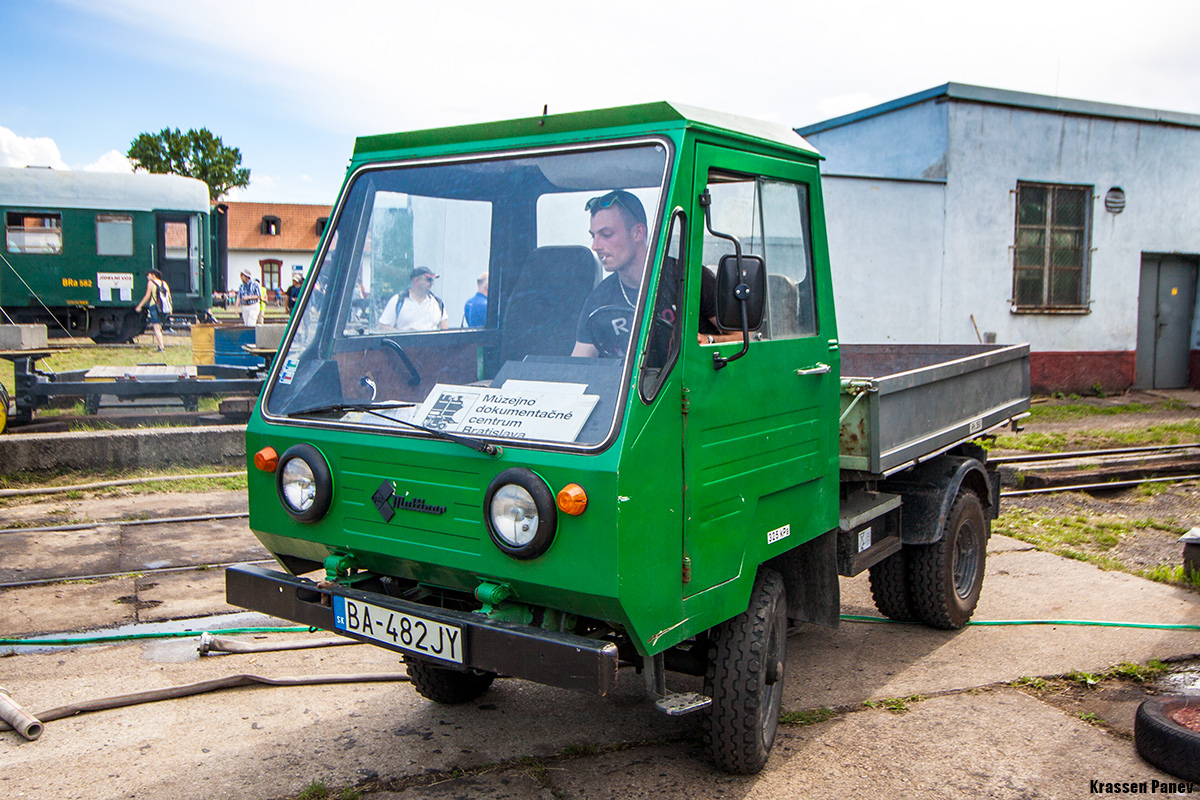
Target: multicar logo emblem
[{"x": 387, "y": 501}]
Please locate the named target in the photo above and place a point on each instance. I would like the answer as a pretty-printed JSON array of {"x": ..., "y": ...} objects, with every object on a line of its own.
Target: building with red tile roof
[{"x": 272, "y": 240}]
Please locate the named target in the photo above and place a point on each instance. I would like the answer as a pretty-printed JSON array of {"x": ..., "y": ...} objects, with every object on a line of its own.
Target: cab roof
[{"x": 605, "y": 123}]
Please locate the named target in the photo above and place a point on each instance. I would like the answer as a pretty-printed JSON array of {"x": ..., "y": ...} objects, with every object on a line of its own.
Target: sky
[{"x": 291, "y": 83}]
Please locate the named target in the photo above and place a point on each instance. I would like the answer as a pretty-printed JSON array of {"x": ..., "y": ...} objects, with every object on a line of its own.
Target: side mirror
[{"x": 734, "y": 284}]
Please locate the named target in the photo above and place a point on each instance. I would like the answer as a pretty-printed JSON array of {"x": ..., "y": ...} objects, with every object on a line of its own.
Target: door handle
[{"x": 816, "y": 369}]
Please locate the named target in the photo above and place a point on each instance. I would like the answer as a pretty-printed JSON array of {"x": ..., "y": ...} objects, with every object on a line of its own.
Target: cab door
[{"x": 760, "y": 434}]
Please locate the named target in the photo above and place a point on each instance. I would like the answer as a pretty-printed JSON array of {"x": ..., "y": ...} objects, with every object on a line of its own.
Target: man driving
[{"x": 619, "y": 239}]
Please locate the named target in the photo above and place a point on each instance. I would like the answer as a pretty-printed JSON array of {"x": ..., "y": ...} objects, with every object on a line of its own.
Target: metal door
[
  {"x": 760, "y": 434},
  {"x": 1166, "y": 305}
]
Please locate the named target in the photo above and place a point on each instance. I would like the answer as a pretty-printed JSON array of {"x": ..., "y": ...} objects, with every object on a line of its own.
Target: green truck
[{"x": 564, "y": 395}]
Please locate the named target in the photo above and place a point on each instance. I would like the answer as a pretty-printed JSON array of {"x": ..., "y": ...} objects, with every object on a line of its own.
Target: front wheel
[
  {"x": 946, "y": 577},
  {"x": 745, "y": 679},
  {"x": 447, "y": 686}
]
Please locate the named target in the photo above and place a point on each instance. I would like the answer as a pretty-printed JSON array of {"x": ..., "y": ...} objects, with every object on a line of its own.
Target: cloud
[
  {"x": 112, "y": 161},
  {"x": 23, "y": 151}
]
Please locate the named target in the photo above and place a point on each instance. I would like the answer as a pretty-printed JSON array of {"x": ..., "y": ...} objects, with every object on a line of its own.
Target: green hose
[
  {"x": 128, "y": 637},
  {"x": 1169, "y": 626}
]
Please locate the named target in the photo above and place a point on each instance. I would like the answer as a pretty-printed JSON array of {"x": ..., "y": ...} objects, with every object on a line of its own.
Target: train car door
[{"x": 178, "y": 256}]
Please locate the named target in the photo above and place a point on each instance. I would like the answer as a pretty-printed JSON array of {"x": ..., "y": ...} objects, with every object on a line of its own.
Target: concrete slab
[
  {"x": 827, "y": 667},
  {"x": 66, "y": 607},
  {"x": 148, "y": 448},
  {"x": 182, "y": 595},
  {"x": 999, "y": 744},
  {"x": 272, "y": 742}
]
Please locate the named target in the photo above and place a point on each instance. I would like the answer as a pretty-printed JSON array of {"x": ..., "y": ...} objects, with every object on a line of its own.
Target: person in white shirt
[
  {"x": 249, "y": 299},
  {"x": 417, "y": 309}
]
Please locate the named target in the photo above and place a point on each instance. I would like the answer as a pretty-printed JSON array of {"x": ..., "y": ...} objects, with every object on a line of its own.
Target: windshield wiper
[{"x": 374, "y": 408}]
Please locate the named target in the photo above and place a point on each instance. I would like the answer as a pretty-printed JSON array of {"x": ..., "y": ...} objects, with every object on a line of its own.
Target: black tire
[
  {"x": 1165, "y": 743},
  {"x": 945, "y": 577},
  {"x": 745, "y": 679},
  {"x": 890, "y": 587},
  {"x": 447, "y": 686}
]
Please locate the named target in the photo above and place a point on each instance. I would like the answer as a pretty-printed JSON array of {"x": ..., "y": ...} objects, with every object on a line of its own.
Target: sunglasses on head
[{"x": 607, "y": 200}]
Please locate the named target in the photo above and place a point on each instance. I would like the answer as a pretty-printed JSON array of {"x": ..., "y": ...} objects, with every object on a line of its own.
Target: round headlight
[
  {"x": 304, "y": 483},
  {"x": 521, "y": 514},
  {"x": 298, "y": 485}
]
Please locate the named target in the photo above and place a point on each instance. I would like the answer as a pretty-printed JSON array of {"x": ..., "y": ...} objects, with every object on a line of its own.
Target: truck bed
[{"x": 902, "y": 403}]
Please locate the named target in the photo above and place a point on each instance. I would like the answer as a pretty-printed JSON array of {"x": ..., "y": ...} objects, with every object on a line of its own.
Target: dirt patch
[{"x": 1109, "y": 702}]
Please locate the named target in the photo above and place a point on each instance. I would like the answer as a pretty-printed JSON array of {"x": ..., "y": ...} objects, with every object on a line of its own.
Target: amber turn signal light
[
  {"x": 266, "y": 459},
  {"x": 572, "y": 499}
]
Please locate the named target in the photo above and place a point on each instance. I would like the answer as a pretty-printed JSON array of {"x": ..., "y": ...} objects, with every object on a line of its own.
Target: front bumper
[{"x": 520, "y": 651}]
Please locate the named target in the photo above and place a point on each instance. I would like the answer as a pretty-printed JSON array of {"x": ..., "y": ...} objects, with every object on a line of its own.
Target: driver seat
[{"x": 543, "y": 309}]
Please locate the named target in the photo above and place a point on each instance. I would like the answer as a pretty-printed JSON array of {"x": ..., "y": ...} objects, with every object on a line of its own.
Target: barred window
[{"x": 1053, "y": 244}]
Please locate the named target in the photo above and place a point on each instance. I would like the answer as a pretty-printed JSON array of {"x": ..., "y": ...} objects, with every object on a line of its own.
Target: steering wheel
[{"x": 603, "y": 327}]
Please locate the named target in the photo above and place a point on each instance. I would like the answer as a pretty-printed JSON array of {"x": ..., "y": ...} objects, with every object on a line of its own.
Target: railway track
[{"x": 1177, "y": 453}]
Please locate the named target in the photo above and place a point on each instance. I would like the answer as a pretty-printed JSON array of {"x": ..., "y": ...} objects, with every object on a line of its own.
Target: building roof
[
  {"x": 298, "y": 226},
  {"x": 38, "y": 187},
  {"x": 1000, "y": 97}
]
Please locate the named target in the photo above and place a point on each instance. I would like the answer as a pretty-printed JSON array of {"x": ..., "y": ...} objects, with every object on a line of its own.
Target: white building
[
  {"x": 271, "y": 240},
  {"x": 963, "y": 213}
]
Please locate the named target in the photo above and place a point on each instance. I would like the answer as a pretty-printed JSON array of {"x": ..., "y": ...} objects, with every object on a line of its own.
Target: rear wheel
[
  {"x": 890, "y": 587},
  {"x": 447, "y": 686},
  {"x": 745, "y": 679},
  {"x": 946, "y": 577}
]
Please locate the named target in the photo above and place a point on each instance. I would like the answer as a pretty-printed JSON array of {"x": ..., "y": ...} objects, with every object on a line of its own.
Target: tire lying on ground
[{"x": 1163, "y": 741}]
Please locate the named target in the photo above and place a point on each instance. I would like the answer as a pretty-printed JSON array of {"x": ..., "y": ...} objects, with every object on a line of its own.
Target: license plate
[{"x": 398, "y": 630}]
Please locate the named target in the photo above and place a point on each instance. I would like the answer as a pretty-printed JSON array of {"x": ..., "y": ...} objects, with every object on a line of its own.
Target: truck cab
[{"x": 626, "y": 454}]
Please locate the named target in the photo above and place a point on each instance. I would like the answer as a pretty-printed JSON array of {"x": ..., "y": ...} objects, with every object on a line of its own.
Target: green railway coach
[{"x": 77, "y": 246}]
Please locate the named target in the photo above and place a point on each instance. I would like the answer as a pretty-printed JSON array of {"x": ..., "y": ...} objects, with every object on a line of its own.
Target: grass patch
[
  {"x": 1091, "y": 540},
  {"x": 1165, "y": 573},
  {"x": 896, "y": 705},
  {"x": 1185, "y": 432},
  {"x": 812, "y": 716},
  {"x": 1045, "y": 412}
]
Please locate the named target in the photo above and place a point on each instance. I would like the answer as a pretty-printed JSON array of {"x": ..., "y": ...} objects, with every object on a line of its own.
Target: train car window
[
  {"x": 33, "y": 233},
  {"x": 114, "y": 235},
  {"x": 175, "y": 241}
]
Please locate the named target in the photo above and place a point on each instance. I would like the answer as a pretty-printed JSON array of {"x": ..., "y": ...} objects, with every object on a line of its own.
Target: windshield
[{"x": 494, "y": 298}]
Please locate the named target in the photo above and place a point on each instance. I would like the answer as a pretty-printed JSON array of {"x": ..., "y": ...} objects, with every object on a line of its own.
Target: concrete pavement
[{"x": 973, "y": 736}]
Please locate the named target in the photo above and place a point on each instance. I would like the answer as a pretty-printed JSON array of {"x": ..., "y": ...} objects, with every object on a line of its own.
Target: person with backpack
[
  {"x": 418, "y": 308},
  {"x": 157, "y": 302}
]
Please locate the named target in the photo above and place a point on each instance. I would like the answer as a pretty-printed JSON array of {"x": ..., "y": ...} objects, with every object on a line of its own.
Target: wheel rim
[{"x": 966, "y": 559}]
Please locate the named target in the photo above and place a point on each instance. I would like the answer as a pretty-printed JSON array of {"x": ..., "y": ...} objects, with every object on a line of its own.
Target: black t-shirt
[
  {"x": 293, "y": 294},
  {"x": 607, "y": 317}
]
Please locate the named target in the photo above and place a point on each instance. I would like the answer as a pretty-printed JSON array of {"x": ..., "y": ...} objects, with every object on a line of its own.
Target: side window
[
  {"x": 791, "y": 308},
  {"x": 771, "y": 219},
  {"x": 662, "y": 343},
  {"x": 33, "y": 232},
  {"x": 114, "y": 235}
]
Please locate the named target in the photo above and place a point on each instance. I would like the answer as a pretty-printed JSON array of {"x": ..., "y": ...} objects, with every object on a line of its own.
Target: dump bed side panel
[{"x": 901, "y": 403}]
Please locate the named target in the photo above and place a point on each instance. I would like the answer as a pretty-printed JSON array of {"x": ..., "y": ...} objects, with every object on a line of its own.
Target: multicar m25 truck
[{"x": 488, "y": 502}]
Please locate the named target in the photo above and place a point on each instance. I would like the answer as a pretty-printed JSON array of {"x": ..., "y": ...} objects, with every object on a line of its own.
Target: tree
[{"x": 195, "y": 154}]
